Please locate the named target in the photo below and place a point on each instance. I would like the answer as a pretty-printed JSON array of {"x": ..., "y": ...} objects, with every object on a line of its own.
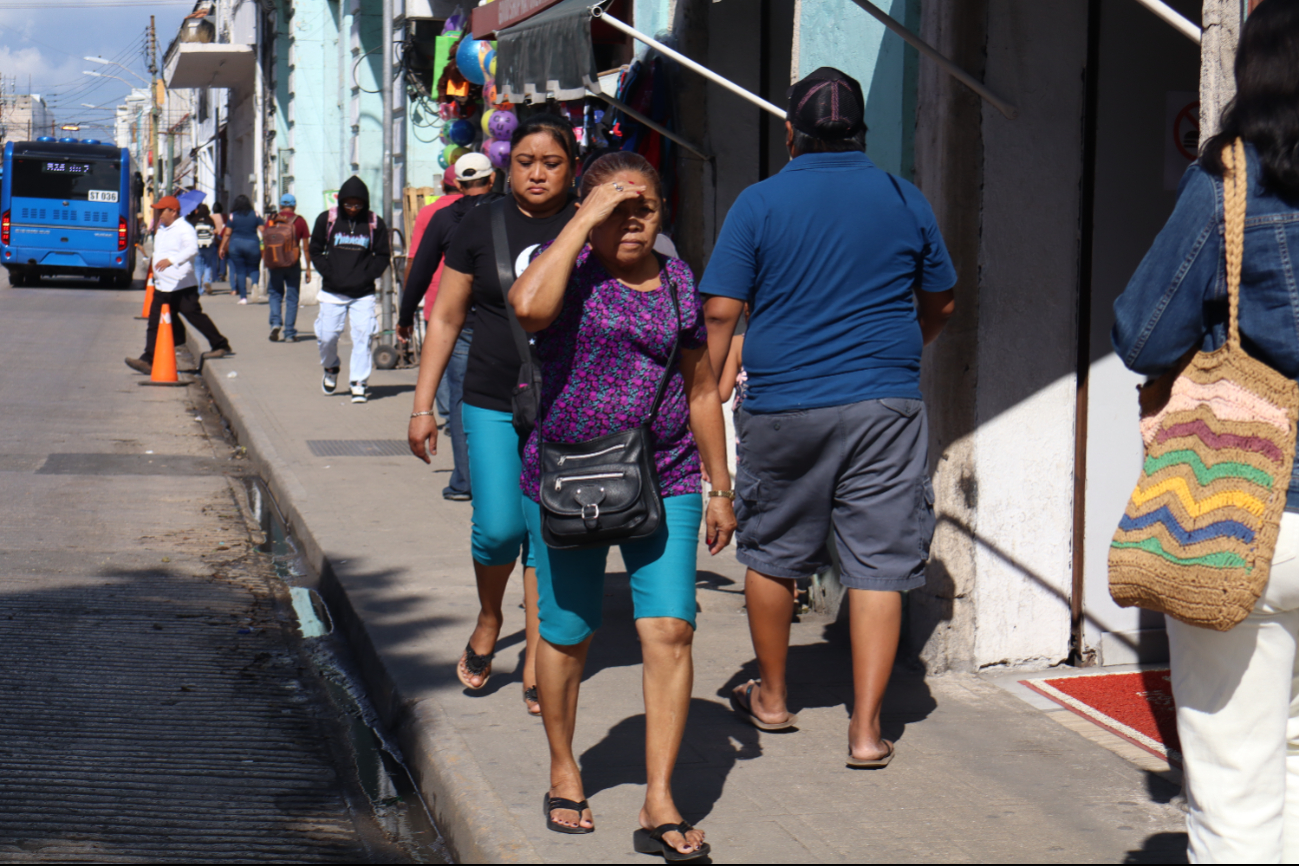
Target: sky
[{"x": 46, "y": 43}]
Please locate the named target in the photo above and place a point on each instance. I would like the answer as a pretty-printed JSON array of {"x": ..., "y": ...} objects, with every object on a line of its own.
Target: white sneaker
[
  {"x": 243, "y": 300},
  {"x": 330, "y": 381},
  {"x": 358, "y": 392}
]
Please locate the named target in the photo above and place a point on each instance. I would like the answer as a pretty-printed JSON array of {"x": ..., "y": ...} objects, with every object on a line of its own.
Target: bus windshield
[{"x": 68, "y": 178}]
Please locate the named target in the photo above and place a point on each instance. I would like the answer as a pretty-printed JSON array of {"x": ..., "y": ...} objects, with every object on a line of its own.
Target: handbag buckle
[{"x": 590, "y": 512}]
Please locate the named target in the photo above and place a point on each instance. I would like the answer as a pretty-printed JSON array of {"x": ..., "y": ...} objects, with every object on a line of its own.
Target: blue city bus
[{"x": 67, "y": 207}]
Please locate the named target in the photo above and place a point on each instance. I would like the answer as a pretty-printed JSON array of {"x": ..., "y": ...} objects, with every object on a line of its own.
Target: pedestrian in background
[
  {"x": 241, "y": 244},
  {"x": 612, "y": 319},
  {"x": 847, "y": 277},
  {"x": 205, "y": 228},
  {"x": 285, "y": 239},
  {"x": 219, "y": 218},
  {"x": 450, "y": 194},
  {"x": 349, "y": 245},
  {"x": 175, "y": 246},
  {"x": 475, "y": 178},
  {"x": 1236, "y": 691},
  {"x": 543, "y": 158}
]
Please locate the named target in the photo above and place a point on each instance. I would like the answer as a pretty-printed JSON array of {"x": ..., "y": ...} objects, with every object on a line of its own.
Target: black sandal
[
  {"x": 475, "y": 665},
  {"x": 651, "y": 842},
  {"x": 550, "y": 804},
  {"x": 530, "y": 697}
]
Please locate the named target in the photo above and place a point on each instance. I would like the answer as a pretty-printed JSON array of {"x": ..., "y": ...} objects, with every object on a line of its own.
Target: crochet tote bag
[{"x": 1197, "y": 538}]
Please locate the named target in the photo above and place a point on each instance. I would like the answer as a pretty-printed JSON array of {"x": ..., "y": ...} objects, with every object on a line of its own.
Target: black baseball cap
[{"x": 827, "y": 104}]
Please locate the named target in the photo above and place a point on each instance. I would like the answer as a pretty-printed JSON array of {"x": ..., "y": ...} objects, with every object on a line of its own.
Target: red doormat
[{"x": 1138, "y": 706}]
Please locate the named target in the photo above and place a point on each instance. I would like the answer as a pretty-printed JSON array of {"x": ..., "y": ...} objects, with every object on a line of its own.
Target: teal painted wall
[
  {"x": 838, "y": 33},
  {"x": 313, "y": 133}
]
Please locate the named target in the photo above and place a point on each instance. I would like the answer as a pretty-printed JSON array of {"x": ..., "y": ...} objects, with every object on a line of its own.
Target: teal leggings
[
  {"x": 570, "y": 583},
  {"x": 500, "y": 531}
]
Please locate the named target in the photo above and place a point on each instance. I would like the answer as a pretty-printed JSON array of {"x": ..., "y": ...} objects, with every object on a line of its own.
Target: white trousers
[
  {"x": 1237, "y": 696},
  {"x": 329, "y": 327}
]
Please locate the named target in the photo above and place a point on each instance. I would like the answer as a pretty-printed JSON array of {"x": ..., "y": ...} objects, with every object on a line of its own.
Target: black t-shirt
[{"x": 493, "y": 368}]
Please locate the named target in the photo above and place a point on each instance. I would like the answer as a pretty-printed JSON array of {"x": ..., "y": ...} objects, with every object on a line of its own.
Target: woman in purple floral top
[{"x": 600, "y": 303}]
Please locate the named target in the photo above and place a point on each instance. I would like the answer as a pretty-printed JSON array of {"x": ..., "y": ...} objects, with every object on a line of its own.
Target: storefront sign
[{"x": 1181, "y": 134}]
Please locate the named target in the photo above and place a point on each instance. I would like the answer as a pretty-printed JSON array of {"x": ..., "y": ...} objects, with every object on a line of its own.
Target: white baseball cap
[{"x": 473, "y": 166}]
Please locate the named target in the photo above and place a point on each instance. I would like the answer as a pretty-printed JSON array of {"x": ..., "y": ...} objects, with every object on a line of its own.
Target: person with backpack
[
  {"x": 206, "y": 230},
  {"x": 284, "y": 235},
  {"x": 349, "y": 245}
]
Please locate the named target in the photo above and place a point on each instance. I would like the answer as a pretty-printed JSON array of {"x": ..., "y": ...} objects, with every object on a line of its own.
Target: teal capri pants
[
  {"x": 500, "y": 531},
  {"x": 570, "y": 583}
]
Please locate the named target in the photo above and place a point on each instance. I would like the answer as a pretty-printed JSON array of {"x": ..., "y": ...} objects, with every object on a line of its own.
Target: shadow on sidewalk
[
  {"x": 714, "y": 743},
  {"x": 820, "y": 675},
  {"x": 1160, "y": 848},
  {"x": 379, "y": 392}
]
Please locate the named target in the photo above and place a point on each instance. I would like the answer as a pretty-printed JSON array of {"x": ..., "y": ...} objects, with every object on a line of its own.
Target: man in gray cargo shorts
[{"x": 847, "y": 278}]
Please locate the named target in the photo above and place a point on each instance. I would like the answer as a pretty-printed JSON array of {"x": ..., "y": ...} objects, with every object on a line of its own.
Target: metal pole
[
  {"x": 155, "y": 113},
  {"x": 932, "y": 53},
  {"x": 1180, "y": 23},
  {"x": 385, "y": 290},
  {"x": 685, "y": 61}
]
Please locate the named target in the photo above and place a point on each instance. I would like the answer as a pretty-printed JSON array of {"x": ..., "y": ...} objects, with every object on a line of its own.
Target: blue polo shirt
[{"x": 828, "y": 254}]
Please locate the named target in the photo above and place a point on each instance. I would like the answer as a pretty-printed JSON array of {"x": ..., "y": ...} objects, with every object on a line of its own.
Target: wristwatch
[{"x": 729, "y": 494}]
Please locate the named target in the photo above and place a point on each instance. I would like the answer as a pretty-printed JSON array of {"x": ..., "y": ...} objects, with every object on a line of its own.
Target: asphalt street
[{"x": 156, "y": 703}]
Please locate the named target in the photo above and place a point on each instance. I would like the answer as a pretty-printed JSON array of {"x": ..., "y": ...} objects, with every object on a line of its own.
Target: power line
[{"x": 89, "y": 4}]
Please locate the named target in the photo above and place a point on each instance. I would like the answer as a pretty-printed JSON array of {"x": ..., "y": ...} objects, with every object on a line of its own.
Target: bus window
[{"x": 72, "y": 178}]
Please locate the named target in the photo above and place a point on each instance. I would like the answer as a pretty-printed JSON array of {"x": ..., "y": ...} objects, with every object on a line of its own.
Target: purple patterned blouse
[{"x": 601, "y": 361}]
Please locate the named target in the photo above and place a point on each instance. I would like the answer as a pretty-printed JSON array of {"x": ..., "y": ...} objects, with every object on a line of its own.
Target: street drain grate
[{"x": 358, "y": 447}]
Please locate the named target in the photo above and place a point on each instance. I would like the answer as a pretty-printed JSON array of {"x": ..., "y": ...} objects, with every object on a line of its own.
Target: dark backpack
[{"x": 279, "y": 244}]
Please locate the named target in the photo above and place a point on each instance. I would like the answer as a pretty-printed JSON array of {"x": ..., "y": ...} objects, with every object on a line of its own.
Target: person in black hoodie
[{"x": 349, "y": 246}]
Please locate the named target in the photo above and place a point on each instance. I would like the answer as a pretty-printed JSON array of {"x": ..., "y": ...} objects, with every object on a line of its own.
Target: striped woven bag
[{"x": 1197, "y": 538}]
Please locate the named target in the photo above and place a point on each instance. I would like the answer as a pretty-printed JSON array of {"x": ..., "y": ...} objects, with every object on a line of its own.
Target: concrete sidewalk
[{"x": 980, "y": 775}]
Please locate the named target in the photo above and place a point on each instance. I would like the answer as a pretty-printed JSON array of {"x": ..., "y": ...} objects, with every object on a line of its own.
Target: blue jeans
[
  {"x": 245, "y": 259},
  {"x": 275, "y": 291},
  {"x": 570, "y": 583},
  {"x": 454, "y": 379},
  {"x": 499, "y": 532},
  {"x": 206, "y": 265}
]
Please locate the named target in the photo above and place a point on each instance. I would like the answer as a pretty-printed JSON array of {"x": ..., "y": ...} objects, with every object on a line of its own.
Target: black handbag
[
  {"x": 606, "y": 490},
  {"x": 525, "y": 400}
]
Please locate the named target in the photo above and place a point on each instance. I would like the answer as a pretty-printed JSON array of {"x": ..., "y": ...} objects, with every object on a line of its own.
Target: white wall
[{"x": 1027, "y": 334}]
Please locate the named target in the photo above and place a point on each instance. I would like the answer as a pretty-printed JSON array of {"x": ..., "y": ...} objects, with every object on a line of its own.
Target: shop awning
[{"x": 548, "y": 55}]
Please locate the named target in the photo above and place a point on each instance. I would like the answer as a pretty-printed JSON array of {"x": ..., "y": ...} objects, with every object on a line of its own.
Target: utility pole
[
  {"x": 385, "y": 292},
  {"x": 156, "y": 112}
]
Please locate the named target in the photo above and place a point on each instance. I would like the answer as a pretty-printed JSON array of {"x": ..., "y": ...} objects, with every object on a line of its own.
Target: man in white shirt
[{"x": 175, "y": 245}]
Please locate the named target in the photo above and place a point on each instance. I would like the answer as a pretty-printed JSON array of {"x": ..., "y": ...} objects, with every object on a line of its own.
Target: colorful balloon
[
  {"x": 473, "y": 59},
  {"x": 487, "y": 118},
  {"x": 449, "y": 110},
  {"x": 501, "y": 124},
  {"x": 462, "y": 132},
  {"x": 499, "y": 153},
  {"x": 451, "y": 154}
]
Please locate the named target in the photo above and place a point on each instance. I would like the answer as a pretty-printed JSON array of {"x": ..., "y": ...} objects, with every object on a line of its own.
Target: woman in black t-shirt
[{"x": 542, "y": 162}]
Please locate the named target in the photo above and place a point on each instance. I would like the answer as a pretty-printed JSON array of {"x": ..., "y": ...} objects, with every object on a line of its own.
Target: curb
[{"x": 474, "y": 822}]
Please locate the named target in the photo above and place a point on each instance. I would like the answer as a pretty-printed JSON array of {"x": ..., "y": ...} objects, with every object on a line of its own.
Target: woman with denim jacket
[{"x": 1237, "y": 692}]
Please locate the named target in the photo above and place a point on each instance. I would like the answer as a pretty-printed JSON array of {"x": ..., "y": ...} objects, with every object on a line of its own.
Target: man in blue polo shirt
[{"x": 847, "y": 278}]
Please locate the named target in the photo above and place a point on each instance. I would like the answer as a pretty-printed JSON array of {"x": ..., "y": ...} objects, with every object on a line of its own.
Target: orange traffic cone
[
  {"x": 148, "y": 294},
  {"x": 164, "y": 353}
]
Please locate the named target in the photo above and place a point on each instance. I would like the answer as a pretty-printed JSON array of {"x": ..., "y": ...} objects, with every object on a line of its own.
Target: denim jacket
[{"x": 1177, "y": 299}]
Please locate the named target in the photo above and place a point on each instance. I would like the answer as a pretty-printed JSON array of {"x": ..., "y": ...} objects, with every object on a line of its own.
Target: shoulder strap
[
  {"x": 1235, "y": 185},
  {"x": 676, "y": 340},
  {"x": 505, "y": 274}
]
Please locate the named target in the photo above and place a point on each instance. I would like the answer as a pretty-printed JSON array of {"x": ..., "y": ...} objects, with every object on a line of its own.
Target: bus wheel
[
  {"x": 123, "y": 279},
  {"x": 16, "y": 279}
]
